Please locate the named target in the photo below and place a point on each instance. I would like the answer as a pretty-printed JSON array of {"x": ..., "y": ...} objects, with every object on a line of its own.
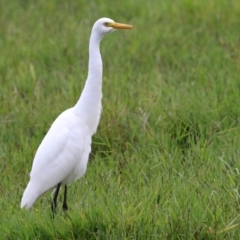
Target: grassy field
[{"x": 165, "y": 160}]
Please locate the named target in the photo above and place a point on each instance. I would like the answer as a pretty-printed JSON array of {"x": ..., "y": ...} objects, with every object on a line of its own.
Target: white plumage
[{"x": 62, "y": 156}]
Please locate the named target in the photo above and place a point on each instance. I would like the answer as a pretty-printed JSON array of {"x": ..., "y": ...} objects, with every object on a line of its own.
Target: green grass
[{"x": 165, "y": 160}]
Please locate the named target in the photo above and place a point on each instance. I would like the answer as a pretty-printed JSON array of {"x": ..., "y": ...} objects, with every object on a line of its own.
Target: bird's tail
[{"x": 29, "y": 197}]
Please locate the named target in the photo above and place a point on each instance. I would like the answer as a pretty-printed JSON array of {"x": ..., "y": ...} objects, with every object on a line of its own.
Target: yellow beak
[{"x": 120, "y": 26}]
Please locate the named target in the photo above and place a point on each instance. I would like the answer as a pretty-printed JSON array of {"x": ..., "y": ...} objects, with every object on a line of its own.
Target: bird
[{"x": 63, "y": 154}]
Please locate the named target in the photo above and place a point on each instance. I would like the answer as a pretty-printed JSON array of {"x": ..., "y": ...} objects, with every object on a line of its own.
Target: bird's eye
[{"x": 106, "y": 24}]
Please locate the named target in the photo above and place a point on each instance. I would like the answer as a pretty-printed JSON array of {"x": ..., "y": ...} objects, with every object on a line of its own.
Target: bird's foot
[{"x": 64, "y": 207}]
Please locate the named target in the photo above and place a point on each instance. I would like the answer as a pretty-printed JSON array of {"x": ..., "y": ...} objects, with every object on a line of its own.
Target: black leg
[
  {"x": 64, "y": 206},
  {"x": 54, "y": 202}
]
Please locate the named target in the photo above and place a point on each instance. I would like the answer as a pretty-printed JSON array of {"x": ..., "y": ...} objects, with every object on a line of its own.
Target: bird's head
[{"x": 106, "y": 25}]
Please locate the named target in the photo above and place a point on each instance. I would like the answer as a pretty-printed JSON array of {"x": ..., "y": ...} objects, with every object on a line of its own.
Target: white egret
[{"x": 62, "y": 156}]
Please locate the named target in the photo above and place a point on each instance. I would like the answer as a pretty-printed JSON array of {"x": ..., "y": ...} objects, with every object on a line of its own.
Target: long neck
[{"x": 89, "y": 105}]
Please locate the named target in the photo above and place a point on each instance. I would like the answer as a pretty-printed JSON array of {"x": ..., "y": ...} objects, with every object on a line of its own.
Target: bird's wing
[{"x": 60, "y": 151}]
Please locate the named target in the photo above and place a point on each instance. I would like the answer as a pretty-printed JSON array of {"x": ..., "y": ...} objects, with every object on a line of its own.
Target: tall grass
[{"x": 165, "y": 160}]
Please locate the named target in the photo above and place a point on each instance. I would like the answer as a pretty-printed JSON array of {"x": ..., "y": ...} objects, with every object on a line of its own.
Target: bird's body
[{"x": 62, "y": 156}]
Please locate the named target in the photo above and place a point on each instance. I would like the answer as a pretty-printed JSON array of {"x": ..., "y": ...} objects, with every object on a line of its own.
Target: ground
[{"x": 165, "y": 159}]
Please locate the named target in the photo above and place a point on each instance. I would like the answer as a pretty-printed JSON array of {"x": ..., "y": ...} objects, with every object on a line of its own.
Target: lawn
[{"x": 165, "y": 159}]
